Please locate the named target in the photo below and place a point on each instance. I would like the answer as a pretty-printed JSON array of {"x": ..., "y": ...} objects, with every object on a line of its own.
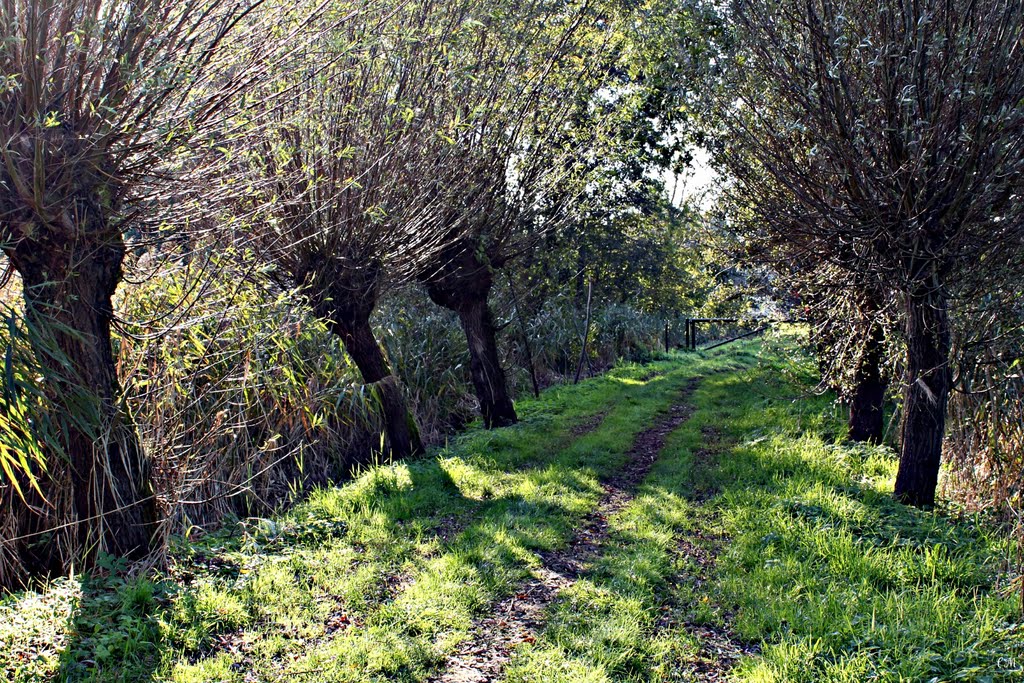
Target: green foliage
[
  {"x": 39, "y": 405},
  {"x": 380, "y": 578},
  {"x": 22, "y": 439},
  {"x": 623, "y": 332},
  {"x": 244, "y": 396},
  {"x": 985, "y": 444}
]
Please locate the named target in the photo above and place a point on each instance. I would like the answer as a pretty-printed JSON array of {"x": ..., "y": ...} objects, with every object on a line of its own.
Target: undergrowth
[
  {"x": 818, "y": 569},
  {"x": 373, "y": 580}
]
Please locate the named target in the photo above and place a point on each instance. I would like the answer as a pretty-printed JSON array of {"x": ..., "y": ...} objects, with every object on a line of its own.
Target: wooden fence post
[{"x": 586, "y": 333}]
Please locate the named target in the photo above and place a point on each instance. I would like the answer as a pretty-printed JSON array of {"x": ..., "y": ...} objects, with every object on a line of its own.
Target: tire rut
[
  {"x": 452, "y": 526},
  {"x": 484, "y": 655},
  {"x": 719, "y": 648}
]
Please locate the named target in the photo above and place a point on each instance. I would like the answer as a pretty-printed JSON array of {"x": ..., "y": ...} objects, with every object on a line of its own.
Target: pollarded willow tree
[
  {"x": 351, "y": 182},
  {"x": 529, "y": 69},
  {"x": 850, "y": 315},
  {"x": 891, "y": 134},
  {"x": 851, "y": 320},
  {"x": 859, "y": 317},
  {"x": 99, "y": 100}
]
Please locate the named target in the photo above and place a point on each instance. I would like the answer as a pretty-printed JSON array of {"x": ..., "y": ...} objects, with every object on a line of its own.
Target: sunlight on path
[{"x": 517, "y": 619}]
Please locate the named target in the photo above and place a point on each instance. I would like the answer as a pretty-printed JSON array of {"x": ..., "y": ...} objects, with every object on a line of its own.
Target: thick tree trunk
[
  {"x": 868, "y": 400},
  {"x": 462, "y": 285},
  {"x": 925, "y": 395},
  {"x": 485, "y": 365},
  {"x": 68, "y": 285},
  {"x": 402, "y": 435},
  {"x": 345, "y": 296}
]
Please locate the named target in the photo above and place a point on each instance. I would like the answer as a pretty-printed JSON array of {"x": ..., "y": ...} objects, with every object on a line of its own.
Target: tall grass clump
[
  {"x": 246, "y": 399},
  {"x": 242, "y": 398},
  {"x": 25, "y": 430},
  {"x": 551, "y": 337},
  {"x": 429, "y": 353}
]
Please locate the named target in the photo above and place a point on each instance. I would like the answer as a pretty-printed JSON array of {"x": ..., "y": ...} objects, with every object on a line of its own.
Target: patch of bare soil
[
  {"x": 483, "y": 656},
  {"x": 589, "y": 425}
]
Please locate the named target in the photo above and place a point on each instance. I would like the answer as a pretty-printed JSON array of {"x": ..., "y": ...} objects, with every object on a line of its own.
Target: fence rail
[{"x": 690, "y": 332}]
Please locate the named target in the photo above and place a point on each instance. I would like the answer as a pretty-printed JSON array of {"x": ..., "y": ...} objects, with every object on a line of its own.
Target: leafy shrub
[{"x": 243, "y": 398}]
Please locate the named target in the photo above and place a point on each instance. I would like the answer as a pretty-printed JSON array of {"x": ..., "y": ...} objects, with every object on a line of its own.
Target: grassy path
[
  {"x": 612, "y": 536},
  {"x": 379, "y": 579},
  {"x": 760, "y": 548},
  {"x": 486, "y": 651}
]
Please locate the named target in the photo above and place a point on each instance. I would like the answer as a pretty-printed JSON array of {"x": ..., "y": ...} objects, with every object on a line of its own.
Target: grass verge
[
  {"x": 821, "y": 571},
  {"x": 374, "y": 580}
]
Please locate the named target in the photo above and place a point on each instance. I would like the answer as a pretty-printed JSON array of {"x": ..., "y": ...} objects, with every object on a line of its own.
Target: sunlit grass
[
  {"x": 374, "y": 579},
  {"x": 381, "y": 578},
  {"x": 822, "y": 569}
]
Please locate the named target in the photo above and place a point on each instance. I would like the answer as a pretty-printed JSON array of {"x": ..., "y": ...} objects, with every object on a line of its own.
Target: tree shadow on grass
[
  {"x": 115, "y": 631},
  {"x": 119, "y": 630},
  {"x": 118, "y": 633}
]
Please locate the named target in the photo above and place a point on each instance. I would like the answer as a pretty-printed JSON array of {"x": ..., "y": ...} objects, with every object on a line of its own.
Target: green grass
[
  {"x": 832, "y": 578},
  {"x": 379, "y": 579},
  {"x": 841, "y": 582},
  {"x": 357, "y": 583}
]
